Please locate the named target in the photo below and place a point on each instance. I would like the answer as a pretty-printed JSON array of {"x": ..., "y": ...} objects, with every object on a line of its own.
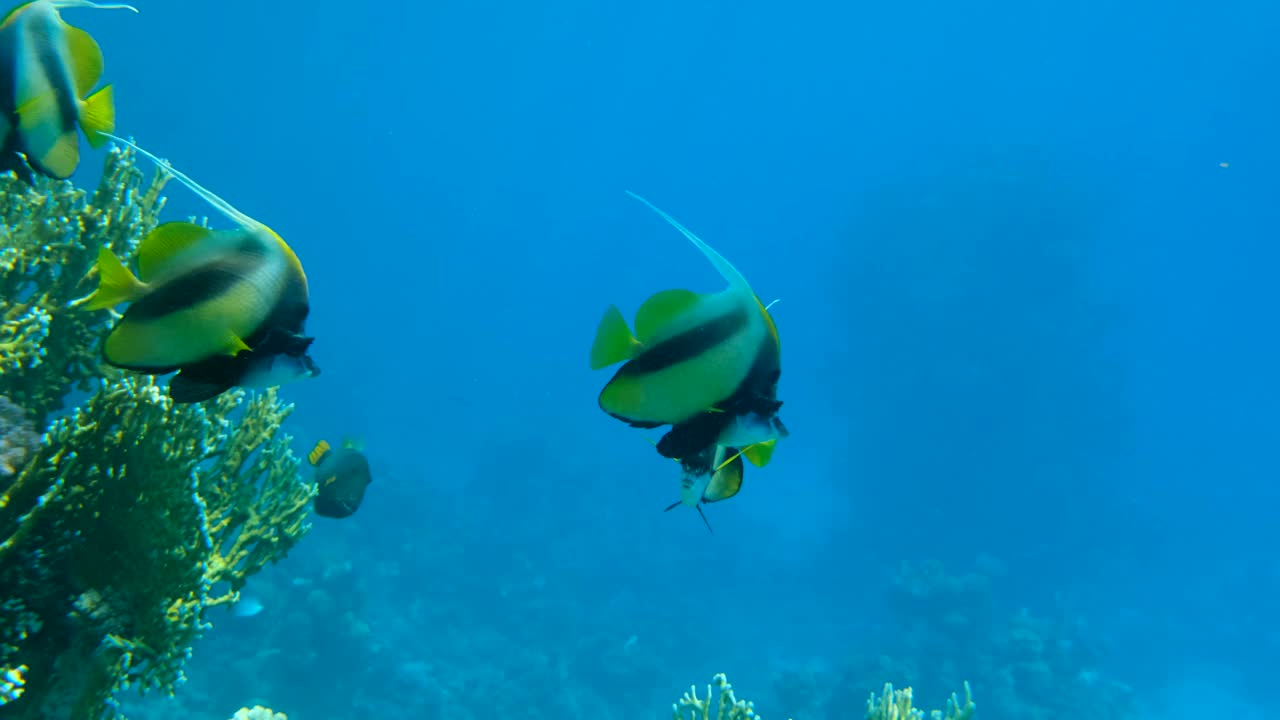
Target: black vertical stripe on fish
[
  {"x": 686, "y": 345},
  {"x": 692, "y": 437},
  {"x": 56, "y": 68},
  {"x": 187, "y": 291}
]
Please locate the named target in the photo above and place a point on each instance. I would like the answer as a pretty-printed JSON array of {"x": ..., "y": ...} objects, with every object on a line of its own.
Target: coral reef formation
[
  {"x": 950, "y": 625},
  {"x": 257, "y": 712},
  {"x": 132, "y": 517},
  {"x": 890, "y": 705},
  {"x": 18, "y": 439},
  {"x": 51, "y": 233},
  {"x": 897, "y": 705}
]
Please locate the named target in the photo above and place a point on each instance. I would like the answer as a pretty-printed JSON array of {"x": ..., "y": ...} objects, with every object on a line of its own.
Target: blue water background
[{"x": 1025, "y": 311}]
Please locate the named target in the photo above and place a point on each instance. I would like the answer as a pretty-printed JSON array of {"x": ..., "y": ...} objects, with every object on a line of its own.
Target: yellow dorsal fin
[
  {"x": 85, "y": 61},
  {"x": 115, "y": 283},
  {"x": 165, "y": 243},
  {"x": 318, "y": 452},
  {"x": 351, "y": 443},
  {"x": 660, "y": 310},
  {"x": 98, "y": 116},
  {"x": 614, "y": 341},
  {"x": 760, "y": 453}
]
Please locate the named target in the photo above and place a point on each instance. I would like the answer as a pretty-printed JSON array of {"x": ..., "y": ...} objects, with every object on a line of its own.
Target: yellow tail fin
[
  {"x": 98, "y": 116},
  {"x": 614, "y": 341},
  {"x": 115, "y": 283},
  {"x": 318, "y": 452}
]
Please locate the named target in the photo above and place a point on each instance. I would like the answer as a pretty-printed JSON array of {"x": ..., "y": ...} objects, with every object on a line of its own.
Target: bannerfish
[
  {"x": 342, "y": 476},
  {"x": 48, "y": 71},
  {"x": 706, "y": 364},
  {"x": 215, "y": 305},
  {"x": 710, "y": 476},
  {"x": 280, "y": 359}
]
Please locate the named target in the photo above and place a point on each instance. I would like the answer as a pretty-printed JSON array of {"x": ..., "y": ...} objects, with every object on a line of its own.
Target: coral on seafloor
[
  {"x": 257, "y": 712},
  {"x": 897, "y": 705},
  {"x": 890, "y": 705},
  {"x": 50, "y": 235},
  {"x": 18, "y": 440},
  {"x": 133, "y": 516}
]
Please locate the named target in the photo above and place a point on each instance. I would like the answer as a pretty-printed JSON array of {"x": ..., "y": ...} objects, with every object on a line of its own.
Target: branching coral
[
  {"x": 728, "y": 707},
  {"x": 146, "y": 508},
  {"x": 132, "y": 517},
  {"x": 51, "y": 233},
  {"x": 257, "y": 712},
  {"x": 897, "y": 705},
  {"x": 890, "y": 705},
  {"x": 18, "y": 439}
]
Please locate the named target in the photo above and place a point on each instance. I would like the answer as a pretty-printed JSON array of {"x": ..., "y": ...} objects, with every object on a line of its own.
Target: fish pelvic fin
[
  {"x": 318, "y": 452},
  {"x": 115, "y": 283},
  {"x": 614, "y": 342},
  {"x": 704, "y": 520},
  {"x": 98, "y": 116},
  {"x": 723, "y": 266}
]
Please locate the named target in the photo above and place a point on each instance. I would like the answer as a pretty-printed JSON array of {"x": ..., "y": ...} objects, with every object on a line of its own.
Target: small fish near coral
[
  {"x": 48, "y": 71},
  {"x": 341, "y": 476},
  {"x": 706, "y": 364},
  {"x": 223, "y": 308},
  {"x": 716, "y": 474}
]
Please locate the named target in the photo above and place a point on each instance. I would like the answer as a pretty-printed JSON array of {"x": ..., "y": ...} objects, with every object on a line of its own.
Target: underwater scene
[{"x": 802, "y": 361}]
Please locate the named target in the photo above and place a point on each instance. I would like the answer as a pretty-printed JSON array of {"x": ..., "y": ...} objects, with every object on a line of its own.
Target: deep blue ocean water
[{"x": 1026, "y": 260}]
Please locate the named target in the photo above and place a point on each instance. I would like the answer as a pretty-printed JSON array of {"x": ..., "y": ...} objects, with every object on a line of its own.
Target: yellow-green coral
[
  {"x": 728, "y": 707},
  {"x": 51, "y": 233},
  {"x": 153, "y": 513},
  {"x": 896, "y": 705},
  {"x": 890, "y": 705}
]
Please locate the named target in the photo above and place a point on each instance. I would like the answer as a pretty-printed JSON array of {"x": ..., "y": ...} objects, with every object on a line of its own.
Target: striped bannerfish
[
  {"x": 712, "y": 475},
  {"x": 220, "y": 306},
  {"x": 48, "y": 70},
  {"x": 706, "y": 364}
]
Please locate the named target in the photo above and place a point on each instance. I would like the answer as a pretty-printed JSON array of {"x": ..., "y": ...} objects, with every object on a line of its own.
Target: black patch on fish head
[{"x": 694, "y": 436}]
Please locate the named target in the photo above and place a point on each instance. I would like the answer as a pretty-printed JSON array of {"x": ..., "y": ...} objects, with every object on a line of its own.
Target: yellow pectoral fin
[
  {"x": 115, "y": 283},
  {"x": 661, "y": 310},
  {"x": 761, "y": 453},
  {"x": 98, "y": 116},
  {"x": 614, "y": 342},
  {"x": 234, "y": 344}
]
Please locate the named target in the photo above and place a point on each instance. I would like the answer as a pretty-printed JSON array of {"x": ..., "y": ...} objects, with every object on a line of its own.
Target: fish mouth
[{"x": 778, "y": 427}]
